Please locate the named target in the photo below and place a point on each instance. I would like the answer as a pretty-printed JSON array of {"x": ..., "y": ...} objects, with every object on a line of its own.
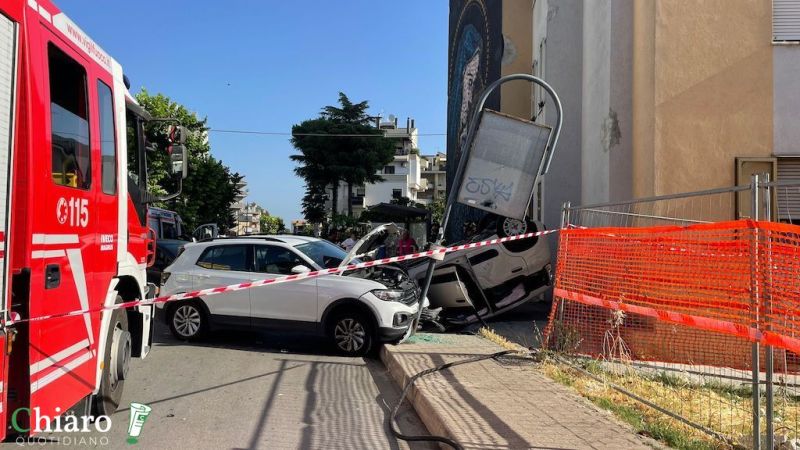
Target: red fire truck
[{"x": 73, "y": 216}]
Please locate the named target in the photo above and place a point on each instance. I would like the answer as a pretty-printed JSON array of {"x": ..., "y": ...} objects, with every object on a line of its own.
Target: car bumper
[
  {"x": 390, "y": 334},
  {"x": 393, "y": 318}
]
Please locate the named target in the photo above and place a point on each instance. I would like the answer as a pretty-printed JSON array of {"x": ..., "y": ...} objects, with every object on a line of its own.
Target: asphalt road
[
  {"x": 248, "y": 390},
  {"x": 255, "y": 390}
]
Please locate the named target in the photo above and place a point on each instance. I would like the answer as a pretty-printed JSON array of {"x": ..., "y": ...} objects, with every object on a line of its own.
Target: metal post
[
  {"x": 466, "y": 149},
  {"x": 770, "y": 444},
  {"x": 754, "y": 282},
  {"x": 565, "y": 210}
]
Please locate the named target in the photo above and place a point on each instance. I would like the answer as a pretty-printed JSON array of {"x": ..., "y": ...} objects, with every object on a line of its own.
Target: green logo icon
[{"x": 139, "y": 413}]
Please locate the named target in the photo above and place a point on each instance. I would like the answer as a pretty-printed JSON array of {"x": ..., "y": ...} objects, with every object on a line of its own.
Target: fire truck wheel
[
  {"x": 116, "y": 361},
  {"x": 187, "y": 320}
]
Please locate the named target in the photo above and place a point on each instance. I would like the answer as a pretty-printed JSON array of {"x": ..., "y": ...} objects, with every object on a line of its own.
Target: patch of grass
[
  {"x": 730, "y": 390},
  {"x": 644, "y": 420},
  {"x": 492, "y": 336},
  {"x": 676, "y": 438},
  {"x": 668, "y": 379},
  {"x": 626, "y": 413}
]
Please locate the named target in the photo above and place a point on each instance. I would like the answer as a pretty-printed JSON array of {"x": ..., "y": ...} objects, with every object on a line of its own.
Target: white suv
[{"x": 354, "y": 310}]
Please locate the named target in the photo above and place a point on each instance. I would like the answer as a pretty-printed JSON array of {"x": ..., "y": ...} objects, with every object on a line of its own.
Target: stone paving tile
[{"x": 486, "y": 405}]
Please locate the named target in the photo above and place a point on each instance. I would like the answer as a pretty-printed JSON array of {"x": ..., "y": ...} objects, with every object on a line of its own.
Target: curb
[{"x": 416, "y": 397}]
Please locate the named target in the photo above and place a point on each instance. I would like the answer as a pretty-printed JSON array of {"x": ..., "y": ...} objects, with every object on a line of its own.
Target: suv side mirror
[
  {"x": 180, "y": 159},
  {"x": 298, "y": 269}
]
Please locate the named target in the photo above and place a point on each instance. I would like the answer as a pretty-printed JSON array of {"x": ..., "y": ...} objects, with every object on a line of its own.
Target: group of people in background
[{"x": 393, "y": 246}]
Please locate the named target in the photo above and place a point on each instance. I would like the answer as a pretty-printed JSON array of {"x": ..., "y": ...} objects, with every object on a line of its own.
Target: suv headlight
[{"x": 389, "y": 295}]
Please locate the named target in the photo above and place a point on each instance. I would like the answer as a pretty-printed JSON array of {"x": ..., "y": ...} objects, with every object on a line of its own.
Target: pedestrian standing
[
  {"x": 348, "y": 243},
  {"x": 406, "y": 246}
]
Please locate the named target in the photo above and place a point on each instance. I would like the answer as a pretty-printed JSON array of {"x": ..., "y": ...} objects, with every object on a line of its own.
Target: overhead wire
[{"x": 279, "y": 133}]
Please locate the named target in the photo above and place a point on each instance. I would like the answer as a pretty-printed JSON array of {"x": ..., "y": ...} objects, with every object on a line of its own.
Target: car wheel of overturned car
[
  {"x": 507, "y": 227},
  {"x": 187, "y": 320},
  {"x": 351, "y": 333},
  {"x": 117, "y": 357}
]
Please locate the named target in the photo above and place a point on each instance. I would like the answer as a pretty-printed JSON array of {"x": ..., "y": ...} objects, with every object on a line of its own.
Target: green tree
[
  {"x": 352, "y": 158},
  {"x": 313, "y": 203},
  {"x": 271, "y": 224},
  {"x": 437, "y": 210},
  {"x": 210, "y": 189}
]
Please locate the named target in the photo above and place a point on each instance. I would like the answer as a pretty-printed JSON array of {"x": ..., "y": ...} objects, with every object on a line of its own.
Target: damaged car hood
[{"x": 370, "y": 242}]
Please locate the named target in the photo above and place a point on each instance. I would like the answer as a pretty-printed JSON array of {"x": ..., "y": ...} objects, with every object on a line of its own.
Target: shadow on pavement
[{"x": 344, "y": 402}]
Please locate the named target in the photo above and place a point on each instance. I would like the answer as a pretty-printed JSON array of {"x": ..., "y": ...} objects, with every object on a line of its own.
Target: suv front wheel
[
  {"x": 187, "y": 320},
  {"x": 352, "y": 333}
]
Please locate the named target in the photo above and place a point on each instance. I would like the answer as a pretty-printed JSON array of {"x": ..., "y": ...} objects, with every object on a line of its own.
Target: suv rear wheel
[{"x": 352, "y": 333}]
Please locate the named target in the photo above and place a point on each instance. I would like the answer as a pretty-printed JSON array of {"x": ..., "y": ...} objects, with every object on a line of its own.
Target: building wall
[
  {"x": 709, "y": 96},
  {"x": 382, "y": 192},
  {"x": 515, "y": 97},
  {"x": 596, "y": 83},
  {"x": 475, "y": 52},
  {"x": 563, "y": 35}
]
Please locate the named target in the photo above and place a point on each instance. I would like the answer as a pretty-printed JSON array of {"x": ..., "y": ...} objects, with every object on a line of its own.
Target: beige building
[
  {"x": 659, "y": 96},
  {"x": 434, "y": 172}
]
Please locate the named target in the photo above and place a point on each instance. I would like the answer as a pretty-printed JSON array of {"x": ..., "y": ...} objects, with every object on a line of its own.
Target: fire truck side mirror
[
  {"x": 177, "y": 134},
  {"x": 180, "y": 159}
]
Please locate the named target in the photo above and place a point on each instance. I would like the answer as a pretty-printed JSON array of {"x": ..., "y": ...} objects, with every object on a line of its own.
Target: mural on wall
[{"x": 475, "y": 53}]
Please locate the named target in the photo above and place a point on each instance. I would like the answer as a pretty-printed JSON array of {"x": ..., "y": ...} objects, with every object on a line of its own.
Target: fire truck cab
[{"x": 73, "y": 219}]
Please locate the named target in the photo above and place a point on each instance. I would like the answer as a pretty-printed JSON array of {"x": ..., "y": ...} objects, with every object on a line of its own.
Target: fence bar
[
  {"x": 644, "y": 216},
  {"x": 726, "y": 190},
  {"x": 565, "y": 218},
  {"x": 755, "y": 302},
  {"x": 770, "y": 444}
]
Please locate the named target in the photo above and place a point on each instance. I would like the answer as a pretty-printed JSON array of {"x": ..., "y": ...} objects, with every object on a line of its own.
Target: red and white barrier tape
[{"x": 287, "y": 278}]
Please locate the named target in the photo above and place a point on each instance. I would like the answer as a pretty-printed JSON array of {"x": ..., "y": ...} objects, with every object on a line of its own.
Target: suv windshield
[{"x": 324, "y": 253}]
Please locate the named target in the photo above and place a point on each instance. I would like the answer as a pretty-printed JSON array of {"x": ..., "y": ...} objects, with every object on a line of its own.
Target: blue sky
[{"x": 266, "y": 65}]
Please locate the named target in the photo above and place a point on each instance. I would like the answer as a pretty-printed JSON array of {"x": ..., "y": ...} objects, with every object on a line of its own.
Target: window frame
[
  {"x": 248, "y": 257},
  {"x": 115, "y": 154},
  {"x": 297, "y": 254},
  {"x": 55, "y": 46}
]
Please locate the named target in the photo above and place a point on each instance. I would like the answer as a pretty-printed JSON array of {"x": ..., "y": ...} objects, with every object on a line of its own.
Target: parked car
[
  {"x": 490, "y": 280},
  {"x": 355, "y": 310},
  {"x": 166, "y": 252}
]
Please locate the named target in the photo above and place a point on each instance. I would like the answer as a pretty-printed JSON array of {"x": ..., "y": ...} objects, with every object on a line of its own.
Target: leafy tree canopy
[
  {"x": 210, "y": 189},
  {"x": 325, "y": 160},
  {"x": 271, "y": 224}
]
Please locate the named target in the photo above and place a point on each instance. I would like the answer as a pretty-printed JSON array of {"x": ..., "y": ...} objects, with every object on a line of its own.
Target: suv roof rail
[{"x": 255, "y": 236}]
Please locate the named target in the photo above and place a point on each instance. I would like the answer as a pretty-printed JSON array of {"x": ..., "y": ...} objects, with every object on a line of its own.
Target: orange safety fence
[{"x": 697, "y": 294}]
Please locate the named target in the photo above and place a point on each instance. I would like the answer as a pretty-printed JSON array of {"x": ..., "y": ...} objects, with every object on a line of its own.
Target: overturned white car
[{"x": 485, "y": 280}]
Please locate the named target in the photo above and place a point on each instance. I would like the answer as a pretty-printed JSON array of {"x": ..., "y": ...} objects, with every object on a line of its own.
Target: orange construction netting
[{"x": 698, "y": 294}]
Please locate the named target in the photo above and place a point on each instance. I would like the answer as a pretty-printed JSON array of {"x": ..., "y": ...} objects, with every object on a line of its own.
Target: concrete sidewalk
[{"x": 488, "y": 405}]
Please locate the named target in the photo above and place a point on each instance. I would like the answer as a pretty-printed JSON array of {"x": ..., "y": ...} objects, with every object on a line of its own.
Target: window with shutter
[
  {"x": 789, "y": 197},
  {"x": 785, "y": 20}
]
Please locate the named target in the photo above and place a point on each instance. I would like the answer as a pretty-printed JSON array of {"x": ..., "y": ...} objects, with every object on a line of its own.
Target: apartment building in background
[
  {"x": 246, "y": 214},
  {"x": 408, "y": 175},
  {"x": 434, "y": 172},
  {"x": 659, "y": 97}
]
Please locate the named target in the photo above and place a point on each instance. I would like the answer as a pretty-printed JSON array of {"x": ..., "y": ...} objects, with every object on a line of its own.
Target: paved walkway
[{"x": 488, "y": 405}]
